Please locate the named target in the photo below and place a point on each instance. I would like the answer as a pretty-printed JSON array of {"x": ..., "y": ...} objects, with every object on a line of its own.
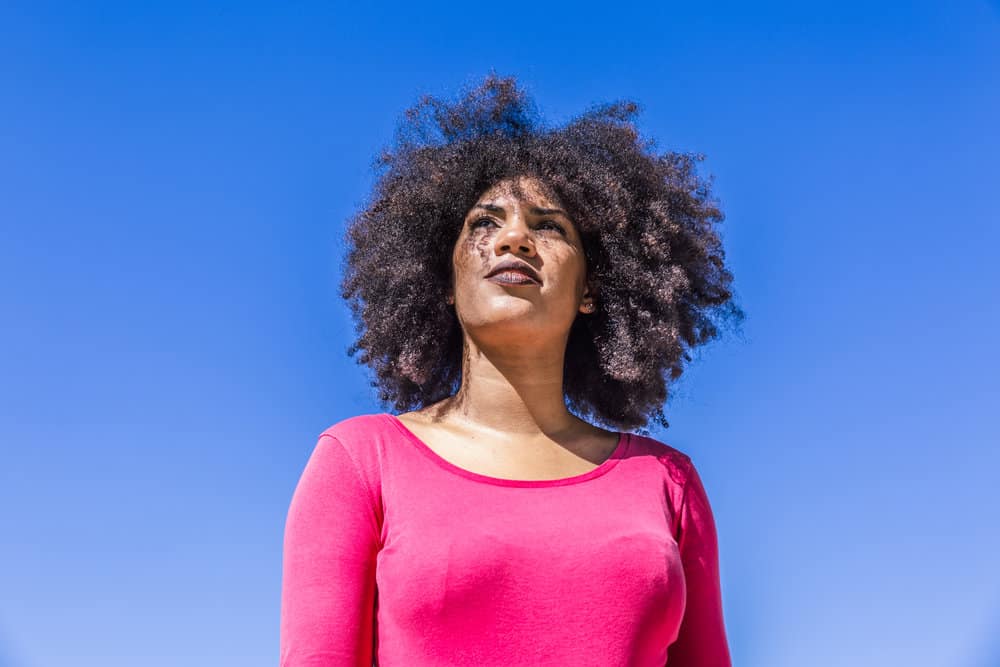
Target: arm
[
  {"x": 701, "y": 641},
  {"x": 328, "y": 571}
]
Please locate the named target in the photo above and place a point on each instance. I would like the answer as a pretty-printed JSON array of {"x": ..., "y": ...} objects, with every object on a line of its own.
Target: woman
[{"x": 502, "y": 273}]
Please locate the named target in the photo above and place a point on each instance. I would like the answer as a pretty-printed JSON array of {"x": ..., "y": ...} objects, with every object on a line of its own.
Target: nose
[{"x": 515, "y": 236}]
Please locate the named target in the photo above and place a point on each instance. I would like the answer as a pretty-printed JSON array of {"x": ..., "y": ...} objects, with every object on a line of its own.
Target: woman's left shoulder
[{"x": 676, "y": 463}]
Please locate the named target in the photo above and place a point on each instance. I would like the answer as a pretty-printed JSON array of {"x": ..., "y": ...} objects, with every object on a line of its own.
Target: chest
[
  {"x": 482, "y": 561},
  {"x": 523, "y": 461}
]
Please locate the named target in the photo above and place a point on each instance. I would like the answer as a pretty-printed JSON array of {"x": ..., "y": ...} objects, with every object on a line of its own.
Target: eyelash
[{"x": 555, "y": 224}]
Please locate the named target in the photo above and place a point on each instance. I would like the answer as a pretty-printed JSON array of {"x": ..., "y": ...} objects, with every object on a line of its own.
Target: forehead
[{"x": 524, "y": 188}]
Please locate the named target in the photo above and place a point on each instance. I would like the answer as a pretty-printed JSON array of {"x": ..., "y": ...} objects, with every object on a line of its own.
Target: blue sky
[{"x": 174, "y": 181}]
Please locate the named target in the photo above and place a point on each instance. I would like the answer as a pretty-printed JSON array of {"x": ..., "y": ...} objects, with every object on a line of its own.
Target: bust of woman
[{"x": 516, "y": 286}]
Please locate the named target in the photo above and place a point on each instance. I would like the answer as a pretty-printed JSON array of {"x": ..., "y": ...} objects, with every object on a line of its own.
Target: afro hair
[{"x": 647, "y": 222}]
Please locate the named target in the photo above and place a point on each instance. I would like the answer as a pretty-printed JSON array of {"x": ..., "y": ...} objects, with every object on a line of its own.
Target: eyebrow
[{"x": 534, "y": 209}]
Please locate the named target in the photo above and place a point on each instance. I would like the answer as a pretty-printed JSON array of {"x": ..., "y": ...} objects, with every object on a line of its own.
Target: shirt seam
[
  {"x": 364, "y": 483},
  {"x": 684, "y": 497}
]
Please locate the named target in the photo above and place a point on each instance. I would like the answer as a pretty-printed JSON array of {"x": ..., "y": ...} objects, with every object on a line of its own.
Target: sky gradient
[{"x": 174, "y": 183}]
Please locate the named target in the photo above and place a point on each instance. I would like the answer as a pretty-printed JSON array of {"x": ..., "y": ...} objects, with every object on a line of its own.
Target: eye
[
  {"x": 551, "y": 224},
  {"x": 554, "y": 225},
  {"x": 478, "y": 222}
]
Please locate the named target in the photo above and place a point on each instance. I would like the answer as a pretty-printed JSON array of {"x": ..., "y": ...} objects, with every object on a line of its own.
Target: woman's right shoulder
[
  {"x": 363, "y": 437},
  {"x": 359, "y": 431},
  {"x": 343, "y": 471}
]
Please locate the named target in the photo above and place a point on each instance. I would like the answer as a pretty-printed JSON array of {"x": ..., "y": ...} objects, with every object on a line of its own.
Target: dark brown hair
[{"x": 647, "y": 221}]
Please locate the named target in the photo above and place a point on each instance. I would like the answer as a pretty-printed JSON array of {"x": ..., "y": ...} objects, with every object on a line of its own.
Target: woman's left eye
[{"x": 555, "y": 225}]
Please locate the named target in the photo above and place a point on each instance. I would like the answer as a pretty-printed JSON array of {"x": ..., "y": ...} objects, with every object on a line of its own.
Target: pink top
[{"x": 395, "y": 556}]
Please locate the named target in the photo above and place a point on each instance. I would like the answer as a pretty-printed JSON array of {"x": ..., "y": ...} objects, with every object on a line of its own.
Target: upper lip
[{"x": 515, "y": 265}]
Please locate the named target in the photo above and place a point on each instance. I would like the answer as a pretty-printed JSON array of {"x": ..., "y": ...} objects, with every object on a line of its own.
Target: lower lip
[{"x": 511, "y": 278}]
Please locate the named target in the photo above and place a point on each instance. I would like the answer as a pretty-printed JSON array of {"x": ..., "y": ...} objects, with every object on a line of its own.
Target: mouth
[
  {"x": 511, "y": 271},
  {"x": 512, "y": 277}
]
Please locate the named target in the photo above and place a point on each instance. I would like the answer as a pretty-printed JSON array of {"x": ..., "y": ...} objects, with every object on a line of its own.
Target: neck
[{"x": 516, "y": 390}]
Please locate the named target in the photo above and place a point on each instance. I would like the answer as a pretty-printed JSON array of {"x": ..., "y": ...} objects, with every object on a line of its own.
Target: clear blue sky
[{"x": 174, "y": 181}]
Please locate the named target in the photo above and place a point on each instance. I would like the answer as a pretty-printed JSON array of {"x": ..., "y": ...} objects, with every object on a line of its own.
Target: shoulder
[
  {"x": 682, "y": 485},
  {"x": 671, "y": 465},
  {"x": 356, "y": 432},
  {"x": 363, "y": 438},
  {"x": 675, "y": 463}
]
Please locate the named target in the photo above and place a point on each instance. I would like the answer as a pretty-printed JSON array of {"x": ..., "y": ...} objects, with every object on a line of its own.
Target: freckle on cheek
[
  {"x": 479, "y": 245},
  {"x": 483, "y": 247}
]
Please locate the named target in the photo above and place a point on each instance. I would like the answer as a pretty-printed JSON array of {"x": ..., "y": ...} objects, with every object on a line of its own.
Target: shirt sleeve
[
  {"x": 701, "y": 641},
  {"x": 328, "y": 569}
]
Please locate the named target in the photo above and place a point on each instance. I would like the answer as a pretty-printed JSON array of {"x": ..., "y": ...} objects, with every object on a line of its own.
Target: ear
[{"x": 588, "y": 304}]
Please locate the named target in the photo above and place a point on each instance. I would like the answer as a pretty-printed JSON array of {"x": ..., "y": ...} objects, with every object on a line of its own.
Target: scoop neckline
[{"x": 617, "y": 454}]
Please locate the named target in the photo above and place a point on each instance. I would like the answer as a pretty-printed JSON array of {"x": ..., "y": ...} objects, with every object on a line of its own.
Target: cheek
[
  {"x": 569, "y": 277},
  {"x": 472, "y": 255}
]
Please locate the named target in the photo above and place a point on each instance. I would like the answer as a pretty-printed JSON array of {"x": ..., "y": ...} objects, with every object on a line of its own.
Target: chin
[{"x": 523, "y": 316}]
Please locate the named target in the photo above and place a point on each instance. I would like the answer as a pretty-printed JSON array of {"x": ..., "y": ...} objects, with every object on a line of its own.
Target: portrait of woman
[
  {"x": 524, "y": 295},
  {"x": 353, "y": 334}
]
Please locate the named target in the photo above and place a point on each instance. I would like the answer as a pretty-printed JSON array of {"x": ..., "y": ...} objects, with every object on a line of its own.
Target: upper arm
[
  {"x": 328, "y": 569},
  {"x": 701, "y": 641}
]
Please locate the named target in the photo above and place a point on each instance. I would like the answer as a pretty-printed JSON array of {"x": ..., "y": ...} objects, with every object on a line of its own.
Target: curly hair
[{"x": 646, "y": 219}]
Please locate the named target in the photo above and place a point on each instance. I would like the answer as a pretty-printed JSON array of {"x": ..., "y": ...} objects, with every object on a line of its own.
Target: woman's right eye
[{"x": 478, "y": 222}]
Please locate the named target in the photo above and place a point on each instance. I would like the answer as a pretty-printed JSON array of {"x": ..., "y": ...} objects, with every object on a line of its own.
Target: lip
[
  {"x": 512, "y": 278},
  {"x": 514, "y": 272}
]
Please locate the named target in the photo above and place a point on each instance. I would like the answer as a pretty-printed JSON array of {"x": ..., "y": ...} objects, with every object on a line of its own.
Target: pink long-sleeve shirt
[{"x": 395, "y": 556}]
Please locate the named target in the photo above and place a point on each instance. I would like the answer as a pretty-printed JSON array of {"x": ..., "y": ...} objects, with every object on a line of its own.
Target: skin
[{"x": 509, "y": 419}]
